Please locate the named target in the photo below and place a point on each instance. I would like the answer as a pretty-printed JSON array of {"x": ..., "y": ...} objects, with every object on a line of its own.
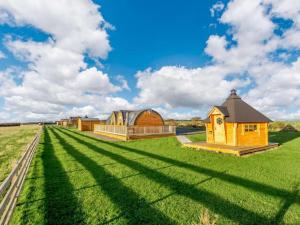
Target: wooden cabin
[
  {"x": 87, "y": 124},
  {"x": 235, "y": 128},
  {"x": 73, "y": 121},
  {"x": 236, "y": 123},
  {"x": 134, "y": 124},
  {"x": 64, "y": 122}
]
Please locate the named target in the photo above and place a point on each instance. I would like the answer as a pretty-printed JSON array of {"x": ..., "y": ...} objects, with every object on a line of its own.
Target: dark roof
[
  {"x": 236, "y": 110},
  {"x": 89, "y": 119},
  {"x": 289, "y": 127},
  {"x": 223, "y": 110},
  {"x": 74, "y": 117}
]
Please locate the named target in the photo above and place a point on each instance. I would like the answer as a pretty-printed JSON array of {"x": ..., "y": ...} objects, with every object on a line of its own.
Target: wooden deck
[{"x": 235, "y": 150}]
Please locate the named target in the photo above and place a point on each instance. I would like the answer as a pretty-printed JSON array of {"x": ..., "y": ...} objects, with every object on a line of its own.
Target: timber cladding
[
  {"x": 236, "y": 123},
  {"x": 149, "y": 118},
  {"x": 256, "y": 137},
  {"x": 86, "y": 124}
]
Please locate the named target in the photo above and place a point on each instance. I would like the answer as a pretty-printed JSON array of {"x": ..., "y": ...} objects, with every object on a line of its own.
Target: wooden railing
[
  {"x": 150, "y": 130},
  {"x": 12, "y": 185},
  {"x": 135, "y": 130},
  {"x": 120, "y": 130}
]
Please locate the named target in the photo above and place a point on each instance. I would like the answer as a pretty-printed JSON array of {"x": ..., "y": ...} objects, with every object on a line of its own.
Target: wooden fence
[
  {"x": 12, "y": 185},
  {"x": 135, "y": 130}
]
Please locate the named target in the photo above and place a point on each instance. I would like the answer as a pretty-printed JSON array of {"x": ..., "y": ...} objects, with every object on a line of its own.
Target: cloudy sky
[{"x": 64, "y": 58}]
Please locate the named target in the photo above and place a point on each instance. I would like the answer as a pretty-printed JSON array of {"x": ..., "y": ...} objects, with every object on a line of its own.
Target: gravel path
[{"x": 183, "y": 139}]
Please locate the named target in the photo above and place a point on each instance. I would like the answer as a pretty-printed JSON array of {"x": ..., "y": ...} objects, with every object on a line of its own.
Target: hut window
[{"x": 250, "y": 127}]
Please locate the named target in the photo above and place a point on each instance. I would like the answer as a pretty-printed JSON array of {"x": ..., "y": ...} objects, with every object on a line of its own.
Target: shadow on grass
[
  {"x": 61, "y": 205},
  {"x": 134, "y": 208},
  {"x": 286, "y": 205},
  {"x": 282, "y": 137},
  {"x": 210, "y": 200},
  {"x": 251, "y": 185}
]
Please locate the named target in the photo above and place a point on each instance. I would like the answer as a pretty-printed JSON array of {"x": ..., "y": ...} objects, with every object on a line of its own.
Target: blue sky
[
  {"x": 156, "y": 33},
  {"x": 178, "y": 57}
]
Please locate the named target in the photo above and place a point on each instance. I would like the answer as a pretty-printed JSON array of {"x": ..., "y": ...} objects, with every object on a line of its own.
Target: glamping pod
[
  {"x": 147, "y": 117},
  {"x": 134, "y": 124},
  {"x": 236, "y": 123},
  {"x": 87, "y": 124},
  {"x": 235, "y": 127}
]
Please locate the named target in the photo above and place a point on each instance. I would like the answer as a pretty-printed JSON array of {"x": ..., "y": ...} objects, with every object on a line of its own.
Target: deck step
[{"x": 238, "y": 151}]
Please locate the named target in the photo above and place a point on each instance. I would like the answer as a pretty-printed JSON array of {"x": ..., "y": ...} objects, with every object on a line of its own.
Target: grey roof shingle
[{"x": 236, "y": 110}]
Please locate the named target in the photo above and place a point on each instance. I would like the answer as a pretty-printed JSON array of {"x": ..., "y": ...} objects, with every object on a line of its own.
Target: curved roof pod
[
  {"x": 112, "y": 119},
  {"x": 130, "y": 117},
  {"x": 134, "y": 115}
]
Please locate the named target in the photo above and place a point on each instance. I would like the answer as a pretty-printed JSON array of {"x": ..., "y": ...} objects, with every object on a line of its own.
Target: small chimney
[{"x": 233, "y": 92}]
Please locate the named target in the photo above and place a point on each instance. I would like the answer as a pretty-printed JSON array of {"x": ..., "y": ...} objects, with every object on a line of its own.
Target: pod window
[{"x": 250, "y": 127}]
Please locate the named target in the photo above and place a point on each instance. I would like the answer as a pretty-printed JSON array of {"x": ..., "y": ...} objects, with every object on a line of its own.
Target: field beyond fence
[{"x": 13, "y": 141}]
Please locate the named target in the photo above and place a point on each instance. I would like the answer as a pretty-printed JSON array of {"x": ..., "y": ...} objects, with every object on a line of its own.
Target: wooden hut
[
  {"x": 236, "y": 127},
  {"x": 73, "y": 121},
  {"x": 64, "y": 122},
  {"x": 133, "y": 124},
  {"x": 289, "y": 127},
  {"x": 87, "y": 124}
]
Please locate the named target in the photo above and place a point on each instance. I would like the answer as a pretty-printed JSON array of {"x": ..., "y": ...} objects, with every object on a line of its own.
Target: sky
[{"x": 66, "y": 58}]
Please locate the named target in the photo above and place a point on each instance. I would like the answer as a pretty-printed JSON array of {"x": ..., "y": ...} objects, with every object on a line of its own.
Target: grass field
[
  {"x": 75, "y": 179},
  {"x": 196, "y": 137},
  {"x": 13, "y": 141}
]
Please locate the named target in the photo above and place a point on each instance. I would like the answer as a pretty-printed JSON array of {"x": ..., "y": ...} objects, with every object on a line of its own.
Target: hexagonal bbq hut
[{"x": 235, "y": 127}]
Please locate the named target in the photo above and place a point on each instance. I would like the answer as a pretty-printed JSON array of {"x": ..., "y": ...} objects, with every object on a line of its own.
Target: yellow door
[{"x": 219, "y": 131}]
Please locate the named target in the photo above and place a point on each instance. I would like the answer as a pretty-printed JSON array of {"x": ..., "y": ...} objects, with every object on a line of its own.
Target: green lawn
[
  {"x": 196, "y": 137},
  {"x": 75, "y": 179},
  {"x": 13, "y": 141}
]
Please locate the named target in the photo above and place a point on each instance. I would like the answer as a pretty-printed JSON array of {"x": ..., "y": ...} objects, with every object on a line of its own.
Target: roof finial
[{"x": 233, "y": 92}]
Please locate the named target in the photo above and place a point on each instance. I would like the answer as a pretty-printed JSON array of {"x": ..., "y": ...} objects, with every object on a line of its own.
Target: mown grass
[
  {"x": 76, "y": 179},
  {"x": 13, "y": 141},
  {"x": 196, "y": 137}
]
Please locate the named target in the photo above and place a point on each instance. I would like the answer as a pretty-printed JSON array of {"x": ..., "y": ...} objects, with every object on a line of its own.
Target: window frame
[{"x": 250, "y": 128}]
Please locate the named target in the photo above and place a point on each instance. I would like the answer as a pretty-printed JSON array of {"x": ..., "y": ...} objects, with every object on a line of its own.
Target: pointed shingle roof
[{"x": 236, "y": 110}]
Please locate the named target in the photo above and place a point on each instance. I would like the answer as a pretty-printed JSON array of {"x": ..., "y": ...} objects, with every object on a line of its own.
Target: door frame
[{"x": 222, "y": 127}]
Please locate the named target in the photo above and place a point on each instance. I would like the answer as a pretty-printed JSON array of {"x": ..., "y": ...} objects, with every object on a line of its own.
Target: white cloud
[
  {"x": 94, "y": 81},
  {"x": 123, "y": 82},
  {"x": 173, "y": 86},
  {"x": 217, "y": 7},
  {"x": 77, "y": 26},
  {"x": 243, "y": 51},
  {"x": 57, "y": 81},
  {"x": 2, "y": 55}
]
